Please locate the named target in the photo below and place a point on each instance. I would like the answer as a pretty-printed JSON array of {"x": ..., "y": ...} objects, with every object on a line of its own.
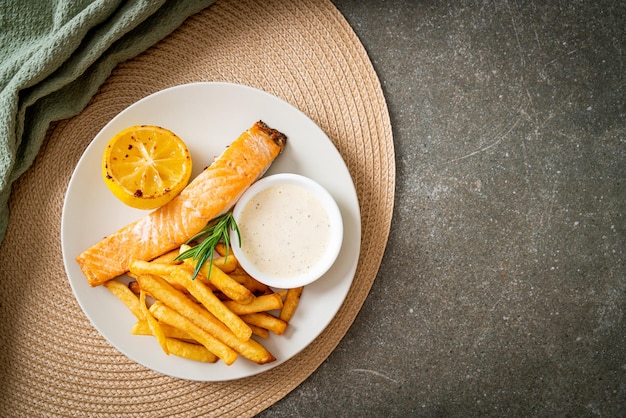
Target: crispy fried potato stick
[
  {"x": 126, "y": 295},
  {"x": 231, "y": 288},
  {"x": 226, "y": 264},
  {"x": 168, "y": 315},
  {"x": 259, "y": 304},
  {"x": 168, "y": 257},
  {"x": 212, "y": 303},
  {"x": 221, "y": 280},
  {"x": 163, "y": 291},
  {"x": 142, "y": 328},
  {"x": 182, "y": 277},
  {"x": 221, "y": 249},
  {"x": 249, "y": 282},
  {"x": 134, "y": 287},
  {"x": 190, "y": 351},
  {"x": 292, "y": 299},
  {"x": 154, "y": 326},
  {"x": 259, "y": 332},
  {"x": 267, "y": 321}
]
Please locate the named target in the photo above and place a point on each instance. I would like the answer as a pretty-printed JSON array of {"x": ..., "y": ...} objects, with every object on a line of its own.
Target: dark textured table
[{"x": 503, "y": 287}]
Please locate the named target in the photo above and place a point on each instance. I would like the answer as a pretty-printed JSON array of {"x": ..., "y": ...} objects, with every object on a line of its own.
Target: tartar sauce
[{"x": 284, "y": 230}]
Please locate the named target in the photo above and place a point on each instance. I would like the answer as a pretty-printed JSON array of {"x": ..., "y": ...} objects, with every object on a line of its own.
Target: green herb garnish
[{"x": 215, "y": 232}]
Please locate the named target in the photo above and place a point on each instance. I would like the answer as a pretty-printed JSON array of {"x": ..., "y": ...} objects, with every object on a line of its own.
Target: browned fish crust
[{"x": 278, "y": 137}]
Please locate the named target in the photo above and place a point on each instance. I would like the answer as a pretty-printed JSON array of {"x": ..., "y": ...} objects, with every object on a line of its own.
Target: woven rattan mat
[{"x": 53, "y": 362}]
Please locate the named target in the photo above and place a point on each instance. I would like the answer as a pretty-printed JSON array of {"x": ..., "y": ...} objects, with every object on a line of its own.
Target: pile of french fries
[{"x": 207, "y": 318}]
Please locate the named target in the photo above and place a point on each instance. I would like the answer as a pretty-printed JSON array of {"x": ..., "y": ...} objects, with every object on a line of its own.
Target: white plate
[{"x": 208, "y": 117}]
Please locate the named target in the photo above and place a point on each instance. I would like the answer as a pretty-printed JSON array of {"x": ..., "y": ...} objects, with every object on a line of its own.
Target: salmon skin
[{"x": 210, "y": 194}]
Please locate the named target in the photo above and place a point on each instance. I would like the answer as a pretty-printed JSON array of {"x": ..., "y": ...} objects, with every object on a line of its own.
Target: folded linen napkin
[{"x": 54, "y": 54}]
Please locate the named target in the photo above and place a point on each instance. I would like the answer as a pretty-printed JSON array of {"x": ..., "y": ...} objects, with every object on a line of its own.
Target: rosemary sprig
[{"x": 215, "y": 232}]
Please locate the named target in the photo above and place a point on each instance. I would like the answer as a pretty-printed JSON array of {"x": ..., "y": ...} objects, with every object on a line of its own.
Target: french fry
[
  {"x": 226, "y": 263},
  {"x": 259, "y": 332},
  {"x": 168, "y": 257},
  {"x": 134, "y": 287},
  {"x": 267, "y": 321},
  {"x": 182, "y": 277},
  {"x": 167, "y": 294},
  {"x": 124, "y": 294},
  {"x": 250, "y": 349},
  {"x": 259, "y": 304},
  {"x": 190, "y": 351},
  {"x": 221, "y": 281},
  {"x": 142, "y": 328},
  {"x": 154, "y": 326},
  {"x": 222, "y": 249},
  {"x": 212, "y": 303},
  {"x": 292, "y": 299},
  {"x": 249, "y": 282},
  {"x": 231, "y": 288},
  {"x": 168, "y": 315}
]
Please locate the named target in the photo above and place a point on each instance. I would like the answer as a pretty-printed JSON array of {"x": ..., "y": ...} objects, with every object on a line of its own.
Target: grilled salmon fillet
[{"x": 210, "y": 194}]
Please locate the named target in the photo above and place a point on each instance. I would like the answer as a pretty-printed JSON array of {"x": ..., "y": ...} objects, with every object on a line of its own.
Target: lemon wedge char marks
[{"x": 146, "y": 166}]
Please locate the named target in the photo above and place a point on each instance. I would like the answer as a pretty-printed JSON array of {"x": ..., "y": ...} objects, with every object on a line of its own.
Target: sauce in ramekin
[{"x": 285, "y": 230}]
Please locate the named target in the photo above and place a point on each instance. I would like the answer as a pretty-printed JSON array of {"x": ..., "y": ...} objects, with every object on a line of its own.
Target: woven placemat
[{"x": 53, "y": 362}]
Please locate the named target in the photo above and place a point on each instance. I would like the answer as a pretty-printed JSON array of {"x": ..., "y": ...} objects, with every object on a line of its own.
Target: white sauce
[{"x": 285, "y": 230}]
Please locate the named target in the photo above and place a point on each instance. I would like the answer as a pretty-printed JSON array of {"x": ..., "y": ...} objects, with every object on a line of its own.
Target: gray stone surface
[{"x": 503, "y": 286}]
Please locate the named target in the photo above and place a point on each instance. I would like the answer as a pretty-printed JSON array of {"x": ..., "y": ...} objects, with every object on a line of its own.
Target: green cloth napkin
[{"x": 54, "y": 54}]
